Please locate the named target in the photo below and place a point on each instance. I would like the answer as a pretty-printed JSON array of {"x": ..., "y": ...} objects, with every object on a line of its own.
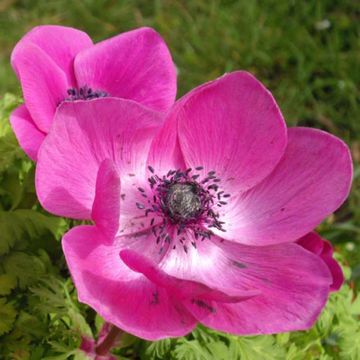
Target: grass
[{"x": 307, "y": 53}]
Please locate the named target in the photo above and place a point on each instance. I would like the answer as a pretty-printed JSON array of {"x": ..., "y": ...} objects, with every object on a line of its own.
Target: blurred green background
[{"x": 306, "y": 52}]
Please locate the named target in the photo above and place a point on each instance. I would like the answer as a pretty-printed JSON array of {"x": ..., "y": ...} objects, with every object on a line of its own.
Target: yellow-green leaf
[
  {"x": 7, "y": 283},
  {"x": 7, "y": 316}
]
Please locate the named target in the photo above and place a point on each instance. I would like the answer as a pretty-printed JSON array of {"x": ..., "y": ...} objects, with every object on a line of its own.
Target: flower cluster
[{"x": 202, "y": 209}]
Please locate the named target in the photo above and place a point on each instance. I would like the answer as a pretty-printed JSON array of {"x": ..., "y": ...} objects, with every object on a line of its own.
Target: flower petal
[
  {"x": 201, "y": 262},
  {"x": 165, "y": 153},
  {"x": 83, "y": 135},
  {"x": 183, "y": 289},
  {"x": 232, "y": 125},
  {"x": 43, "y": 83},
  {"x": 110, "y": 198},
  {"x": 312, "y": 180},
  {"x": 27, "y": 133},
  {"x": 321, "y": 247},
  {"x": 60, "y": 43},
  {"x": 122, "y": 297},
  {"x": 134, "y": 65},
  {"x": 294, "y": 285},
  {"x": 106, "y": 207}
]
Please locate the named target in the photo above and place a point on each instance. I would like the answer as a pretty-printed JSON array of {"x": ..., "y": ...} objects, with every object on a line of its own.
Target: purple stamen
[
  {"x": 84, "y": 93},
  {"x": 185, "y": 203}
]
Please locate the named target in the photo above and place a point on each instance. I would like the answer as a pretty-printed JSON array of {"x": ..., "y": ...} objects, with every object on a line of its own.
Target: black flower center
[{"x": 183, "y": 202}]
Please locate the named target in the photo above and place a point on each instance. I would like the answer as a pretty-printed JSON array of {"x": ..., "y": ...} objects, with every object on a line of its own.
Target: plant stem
[{"x": 108, "y": 342}]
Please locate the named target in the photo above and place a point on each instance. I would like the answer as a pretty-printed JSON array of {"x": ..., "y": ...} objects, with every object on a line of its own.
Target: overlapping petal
[
  {"x": 294, "y": 287},
  {"x": 43, "y": 83},
  {"x": 289, "y": 286},
  {"x": 123, "y": 297},
  {"x": 181, "y": 288},
  {"x": 311, "y": 181},
  {"x": 51, "y": 60},
  {"x": 83, "y": 135},
  {"x": 321, "y": 247},
  {"x": 134, "y": 65},
  {"x": 232, "y": 126},
  {"x": 60, "y": 43},
  {"x": 106, "y": 207},
  {"x": 29, "y": 136}
]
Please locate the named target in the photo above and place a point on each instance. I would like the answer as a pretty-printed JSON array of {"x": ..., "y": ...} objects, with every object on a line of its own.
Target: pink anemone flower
[
  {"x": 195, "y": 218},
  {"x": 57, "y": 64}
]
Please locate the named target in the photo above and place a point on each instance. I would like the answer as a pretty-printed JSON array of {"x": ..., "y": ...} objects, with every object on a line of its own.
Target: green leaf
[
  {"x": 257, "y": 347},
  {"x": 30, "y": 325},
  {"x": 49, "y": 296},
  {"x": 79, "y": 323},
  {"x": 63, "y": 356},
  {"x": 81, "y": 355},
  {"x": 22, "y": 225},
  {"x": 283, "y": 339},
  {"x": 26, "y": 268},
  {"x": 190, "y": 350},
  {"x": 158, "y": 349},
  {"x": 218, "y": 350},
  {"x": 37, "y": 353},
  {"x": 7, "y": 316},
  {"x": 9, "y": 148},
  {"x": 7, "y": 283},
  {"x": 355, "y": 307},
  {"x": 26, "y": 328}
]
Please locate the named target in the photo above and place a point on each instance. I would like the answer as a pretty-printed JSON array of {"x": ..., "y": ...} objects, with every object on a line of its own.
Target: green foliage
[
  {"x": 158, "y": 349},
  {"x": 9, "y": 149},
  {"x": 7, "y": 283},
  {"x": 8, "y": 314},
  {"x": 21, "y": 224},
  {"x": 307, "y": 53}
]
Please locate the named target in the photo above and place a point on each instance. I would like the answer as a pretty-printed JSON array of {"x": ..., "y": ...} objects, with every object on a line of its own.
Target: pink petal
[
  {"x": 183, "y": 289},
  {"x": 204, "y": 264},
  {"x": 312, "y": 242},
  {"x": 110, "y": 198},
  {"x": 233, "y": 126},
  {"x": 134, "y": 218},
  {"x": 27, "y": 133},
  {"x": 60, "y": 43},
  {"x": 321, "y": 247},
  {"x": 134, "y": 65},
  {"x": 165, "y": 153},
  {"x": 294, "y": 286},
  {"x": 106, "y": 208},
  {"x": 312, "y": 180},
  {"x": 123, "y": 297},
  {"x": 83, "y": 135},
  {"x": 43, "y": 83}
]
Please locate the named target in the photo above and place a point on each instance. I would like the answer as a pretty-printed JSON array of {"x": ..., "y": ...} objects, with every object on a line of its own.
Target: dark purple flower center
[
  {"x": 84, "y": 93},
  {"x": 185, "y": 202}
]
